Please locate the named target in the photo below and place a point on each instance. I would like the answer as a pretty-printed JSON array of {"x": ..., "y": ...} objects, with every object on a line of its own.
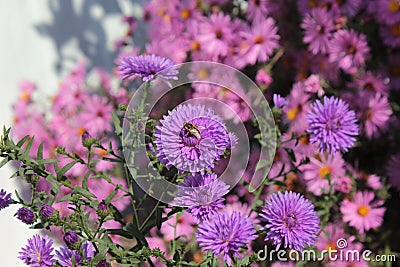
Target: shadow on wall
[{"x": 82, "y": 22}]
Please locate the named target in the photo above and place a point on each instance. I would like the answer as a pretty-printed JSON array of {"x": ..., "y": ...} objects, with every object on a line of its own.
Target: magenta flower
[
  {"x": 388, "y": 11},
  {"x": 258, "y": 9},
  {"x": 391, "y": 34},
  {"x": 362, "y": 212},
  {"x": 261, "y": 41},
  {"x": 370, "y": 84},
  {"x": 191, "y": 138},
  {"x": 66, "y": 256},
  {"x": 332, "y": 125},
  {"x": 147, "y": 67},
  {"x": 38, "y": 252},
  {"x": 318, "y": 27},
  {"x": 279, "y": 101},
  {"x": 349, "y": 50},
  {"x": 216, "y": 34},
  {"x": 316, "y": 173},
  {"x": 291, "y": 221},
  {"x": 225, "y": 234},
  {"x": 203, "y": 195},
  {"x": 376, "y": 115},
  {"x": 97, "y": 115}
]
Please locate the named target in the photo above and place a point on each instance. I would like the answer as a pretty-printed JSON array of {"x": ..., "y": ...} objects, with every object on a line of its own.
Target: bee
[{"x": 193, "y": 129}]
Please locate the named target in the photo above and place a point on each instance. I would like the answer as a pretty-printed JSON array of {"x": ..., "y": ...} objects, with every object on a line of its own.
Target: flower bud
[
  {"x": 87, "y": 140},
  {"x": 71, "y": 239},
  {"x": 102, "y": 210}
]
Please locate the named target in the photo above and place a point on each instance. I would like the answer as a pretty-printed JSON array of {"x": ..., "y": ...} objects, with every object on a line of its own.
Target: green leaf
[
  {"x": 111, "y": 195},
  {"x": 22, "y": 141},
  {"x": 52, "y": 180},
  {"x": 117, "y": 124},
  {"x": 39, "y": 154},
  {"x": 29, "y": 146},
  {"x": 83, "y": 192},
  {"x": 64, "y": 169},
  {"x": 46, "y": 161},
  {"x": 120, "y": 232},
  {"x": 4, "y": 162}
]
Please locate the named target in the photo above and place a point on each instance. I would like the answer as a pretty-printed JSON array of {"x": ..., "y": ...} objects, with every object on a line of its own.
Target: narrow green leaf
[
  {"x": 29, "y": 146},
  {"x": 39, "y": 154},
  {"x": 52, "y": 180},
  {"x": 83, "y": 192},
  {"x": 22, "y": 141},
  {"x": 65, "y": 169},
  {"x": 4, "y": 162}
]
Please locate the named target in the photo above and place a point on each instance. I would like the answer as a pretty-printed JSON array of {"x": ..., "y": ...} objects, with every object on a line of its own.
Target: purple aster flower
[
  {"x": 224, "y": 235},
  {"x": 388, "y": 11},
  {"x": 26, "y": 215},
  {"x": 103, "y": 263},
  {"x": 318, "y": 26},
  {"x": 332, "y": 125},
  {"x": 279, "y": 101},
  {"x": 202, "y": 194},
  {"x": 391, "y": 34},
  {"x": 71, "y": 238},
  {"x": 147, "y": 67},
  {"x": 38, "y": 252},
  {"x": 46, "y": 211},
  {"x": 66, "y": 256},
  {"x": 192, "y": 138},
  {"x": 291, "y": 220},
  {"x": 349, "y": 50},
  {"x": 5, "y": 199}
]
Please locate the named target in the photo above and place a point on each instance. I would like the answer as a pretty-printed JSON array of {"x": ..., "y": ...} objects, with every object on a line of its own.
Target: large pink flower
[{"x": 362, "y": 212}]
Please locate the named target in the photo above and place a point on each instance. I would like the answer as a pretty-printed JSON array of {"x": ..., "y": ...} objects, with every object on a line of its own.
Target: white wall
[{"x": 33, "y": 44}]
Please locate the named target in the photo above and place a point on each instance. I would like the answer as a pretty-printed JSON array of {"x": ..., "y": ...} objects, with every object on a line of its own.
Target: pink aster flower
[
  {"x": 313, "y": 85},
  {"x": 370, "y": 83},
  {"x": 388, "y": 11},
  {"x": 329, "y": 236},
  {"x": 318, "y": 26},
  {"x": 316, "y": 172},
  {"x": 97, "y": 115},
  {"x": 349, "y": 50},
  {"x": 297, "y": 107},
  {"x": 349, "y": 8},
  {"x": 343, "y": 184},
  {"x": 362, "y": 212},
  {"x": 258, "y": 9},
  {"x": 261, "y": 41},
  {"x": 391, "y": 34},
  {"x": 216, "y": 34},
  {"x": 376, "y": 115}
]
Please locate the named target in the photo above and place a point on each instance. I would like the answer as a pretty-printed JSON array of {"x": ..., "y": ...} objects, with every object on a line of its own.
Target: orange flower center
[
  {"x": 395, "y": 29},
  {"x": 186, "y": 13},
  {"x": 195, "y": 46},
  {"x": 292, "y": 113},
  {"x": 81, "y": 130},
  {"x": 102, "y": 153},
  {"x": 324, "y": 171},
  {"x": 394, "y": 6},
  {"x": 312, "y": 3},
  {"x": 203, "y": 74},
  {"x": 259, "y": 39},
  {"x": 331, "y": 246},
  {"x": 363, "y": 210},
  {"x": 305, "y": 140},
  {"x": 25, "y": 96}
]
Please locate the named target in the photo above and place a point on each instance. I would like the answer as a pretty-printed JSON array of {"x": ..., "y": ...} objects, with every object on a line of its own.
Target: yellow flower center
[
  {"x": 102, "y": 153},
  {"x": 324, "y": 171},
  {"x": 331, "y": 246},
  {"x": 312, "y": 3},
  {"x": 203, "y": 74},
  {"x": 305, "y": 140},
  {"x": 195, "y": 46},
  {"x": 81, "y": 130},
  {"x": 259, "y": 39},
  {"x": 395, "y": 29},
  {"x": 394, "y": 6},
  {"x": 186, "y": 13},
  {"x": 292, "y": 113},
  {"x": 25, "y": 96},
  {"x": 363, "y": 210}
]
